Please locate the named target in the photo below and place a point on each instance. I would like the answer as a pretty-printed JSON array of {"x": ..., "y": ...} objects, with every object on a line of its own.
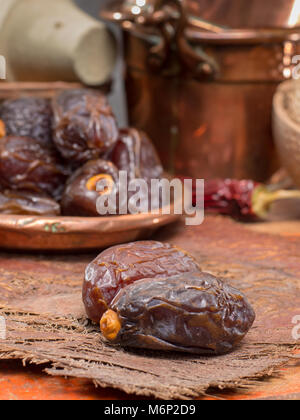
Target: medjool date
[
  {"x": 122, "y": 265},
  {"x": 26, "y": 164},
  {"x": 26, "y": 203},
  {"x": 190, "y": 312},
  {"x": 135, "y": 154},
  {"x": 85, "y": 127},
  {"x": 80, "y": 196},
  {"x": 28, "y": 117}
]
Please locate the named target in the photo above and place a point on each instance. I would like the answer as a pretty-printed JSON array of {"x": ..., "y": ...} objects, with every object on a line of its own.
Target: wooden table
[
  {"x": 18, "y": 383},
  {"x": 30, "y": 383}
]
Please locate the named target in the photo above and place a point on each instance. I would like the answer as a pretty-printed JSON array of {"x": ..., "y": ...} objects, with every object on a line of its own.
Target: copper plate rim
[
  {"x": 70, "y": 234},
  {"x": 83, "y": 225}
]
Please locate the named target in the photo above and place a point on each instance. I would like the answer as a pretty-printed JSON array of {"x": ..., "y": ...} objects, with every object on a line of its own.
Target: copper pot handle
[
  {"x": 169, "y": 19},
  {"x": 196, "y": 60}
]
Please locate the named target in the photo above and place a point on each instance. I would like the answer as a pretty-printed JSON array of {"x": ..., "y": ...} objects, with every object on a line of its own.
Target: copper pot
[{"x": 203, "y": 91}]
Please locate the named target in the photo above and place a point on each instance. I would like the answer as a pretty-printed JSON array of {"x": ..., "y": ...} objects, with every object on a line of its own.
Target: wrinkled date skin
[
  {"x": 26, "y": 203},
  {"x": 191, "y": 312},
  {"x": 28, "y": 117},
  {"x": 121, "y": 265},
  {"x": 25, "y": 164},
  {"x": 80, "y": 196},
  {"x": 85, "y": 127},
  {"x": 135, "y": 154}
]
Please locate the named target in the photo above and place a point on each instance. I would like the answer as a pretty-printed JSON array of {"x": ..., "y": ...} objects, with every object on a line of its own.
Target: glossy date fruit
[
  {"x": 121, "y": 265},
  {"x": 26, "y": 164},
  {"x": 135, "y": 154},
  {"x": 85, "y": 127},
  {"x": 28, "y": 117},
  {"x": 191, "y": 312},
  {"x": 80, "y": 195},
  {"x": 26, "y": 203}
]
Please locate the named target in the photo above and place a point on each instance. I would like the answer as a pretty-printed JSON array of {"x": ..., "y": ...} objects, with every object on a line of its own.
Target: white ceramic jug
[{"x": 50, "y": 40}]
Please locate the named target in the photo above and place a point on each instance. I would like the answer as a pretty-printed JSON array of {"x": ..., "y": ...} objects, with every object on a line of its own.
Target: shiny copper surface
[
  {"x": 245, "y": 13},
  {"x": 216, "y": 83},
  {"x": 65, "y": 234},
  {"x": 69, "y": 234}
]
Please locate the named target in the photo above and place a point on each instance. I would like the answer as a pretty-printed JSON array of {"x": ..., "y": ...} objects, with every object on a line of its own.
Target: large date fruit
[
  {"x": 121, "y": 265},
  {"x": 26, "y": 203},
  {"x": 135, "y": 154},
  {"x": 85, "y": 127},
  {"x": 191, "y": 312},
  {"x": 26, "y": 164},
  {"x": 28, "y": 117},
  {"x": 80, "y": 195}
]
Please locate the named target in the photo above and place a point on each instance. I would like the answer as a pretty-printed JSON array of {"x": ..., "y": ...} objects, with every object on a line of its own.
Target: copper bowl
[
  {"x": 13, "y": 90},
  {"x": 286, "y": 127},
  {"x": 70, "y": 234}
]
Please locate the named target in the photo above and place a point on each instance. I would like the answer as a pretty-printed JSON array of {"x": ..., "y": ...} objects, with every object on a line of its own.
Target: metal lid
[
  {"x": 247, "y": 14},
  {"x": 211, "y": 21}
]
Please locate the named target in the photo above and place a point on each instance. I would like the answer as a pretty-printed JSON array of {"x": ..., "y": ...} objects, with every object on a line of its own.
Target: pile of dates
[
  {"x": 153, "y": 295},
  {"x": 54, "y": 152}
]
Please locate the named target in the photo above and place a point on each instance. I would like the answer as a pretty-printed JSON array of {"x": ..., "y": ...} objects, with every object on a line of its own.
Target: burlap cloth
[{"x": 40, "y": 298}]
